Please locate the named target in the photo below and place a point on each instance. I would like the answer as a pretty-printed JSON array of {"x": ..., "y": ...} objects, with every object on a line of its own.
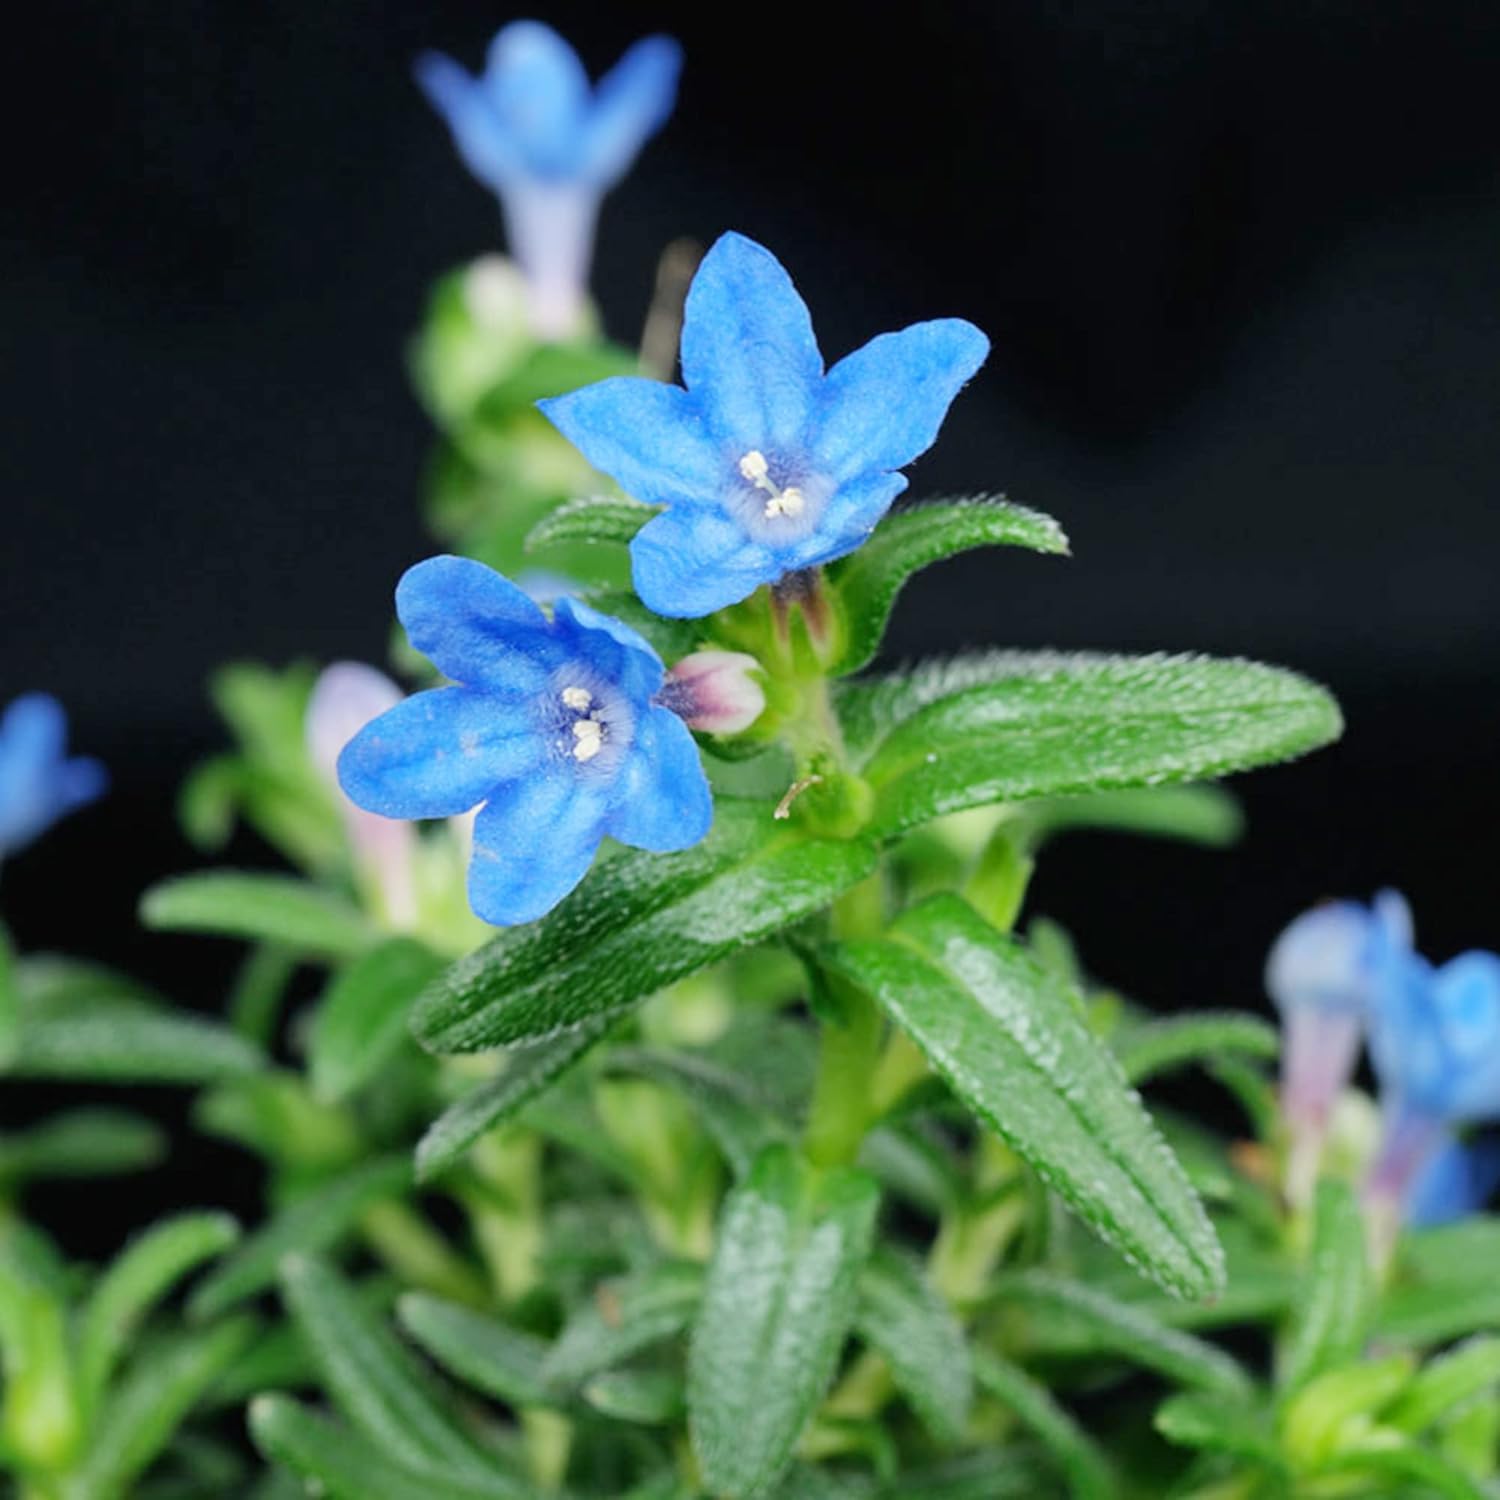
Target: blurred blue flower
[
  {"x": 532, "y": 129},
  {"x": 1458, "y": 1180},
  {"x": 1324, "y": 973},
  {"x": 39, "y": 783},
  {"x": 552, "y": 725},
  {"x": 767, "y": 465}
]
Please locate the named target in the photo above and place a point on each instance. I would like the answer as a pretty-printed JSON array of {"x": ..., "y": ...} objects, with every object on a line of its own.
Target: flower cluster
[
  {"x": 1344, "y": 971},
  {"x": 39, "y": 781}
]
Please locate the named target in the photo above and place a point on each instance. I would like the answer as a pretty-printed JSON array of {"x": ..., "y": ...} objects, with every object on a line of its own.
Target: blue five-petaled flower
[
  {"x": 552, "y": 725},
  {"x": 532, "y": 129},
  {"x": 766, "y": 463},
  {"x": 39, "y": 782}
]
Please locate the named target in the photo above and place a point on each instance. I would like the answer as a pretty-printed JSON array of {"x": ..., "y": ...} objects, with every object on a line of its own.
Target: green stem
[{"x": 404, "y": 1241}]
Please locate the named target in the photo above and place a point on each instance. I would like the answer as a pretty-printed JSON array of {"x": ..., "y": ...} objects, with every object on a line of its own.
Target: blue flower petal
[
  {"x": 748, "y": 351},
  {"x": 883, "y": 404},
  {"x": 854, "y": 510},
  {"x": 533, "y": 842},
  {"x": 647, "y": 436},
  {"x": 631, "y": 103},
  {"x": 540, "y": 92},
  {"x": 80, "y": 781},
  {"x": 636, "y": 668},
  {"x": 483, "y": 142},
  {"x": 439, "y": 753},
  {"x": 663, "y": 798},
  {"x": 475, "y": 626},
  {"x": 693, "y": 560},
  {"x": 1466, "y": 995},
  {"x": 34, "y": 729},
  {"x": 1457, "y": 1181}
]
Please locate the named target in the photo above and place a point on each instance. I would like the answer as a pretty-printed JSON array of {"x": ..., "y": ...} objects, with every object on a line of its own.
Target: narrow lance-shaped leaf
[
  {"x": 260, "y": 908},
  {"x": 624, "y": 1317},
  {"x": 82, "y": 1143},
  {"x": 1446, "y": 1383},
  {"x": 371, "y": 1378},
  {"x": 143, "y": 1273},
  {"x": 1009, "y": 1039},
  {"x": 10, "y": 1000},
  {"x": 483, "y": 1352},
  {"x": 590, "y": 518},
  {"x": 1013, "y": 726},
  {"x": 909, "y": 1323},
  {"x": 638, "y": 923},
  {"x": 525, "y": 1073},
  {"x": 1219, "y": 1424},
  {"x": 361, "y": 1019},
  {"x": 311, "y": 1223},
  {"x": 1199, "y": 814},
  {"x": 1159, "y": 1046},
  {"x": 779, "y": 1302},
  {"x": 867, "y": 582},
  {"x": 1334, "y": 1307}
]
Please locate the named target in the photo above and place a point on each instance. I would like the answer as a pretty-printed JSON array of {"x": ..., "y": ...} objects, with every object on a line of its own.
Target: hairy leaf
[
  {"x": 483, "y": 1352},
  {"x": 591, "y": 518},
  {"x": 1160, "y": 1046},
  {"x": 622, "y": 1318},
  {"x": 1333, "y": 1309}
]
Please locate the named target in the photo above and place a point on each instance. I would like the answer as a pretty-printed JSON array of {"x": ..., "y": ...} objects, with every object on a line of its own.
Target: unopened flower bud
[{"x": 717, "y": 692}]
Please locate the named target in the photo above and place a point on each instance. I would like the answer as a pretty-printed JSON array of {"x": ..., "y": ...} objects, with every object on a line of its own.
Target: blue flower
[
  {"x": 551, "y": 725},
  {"x": 1458, "y": 1180},
  {"x": 531, "y": 128},
  {"x": 767, "y": 465},
  {"x": 38, "y": 782}
]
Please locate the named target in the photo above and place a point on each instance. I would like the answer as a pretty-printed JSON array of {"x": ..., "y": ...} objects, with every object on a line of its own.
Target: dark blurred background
[{"x": 1241, "y": 268}]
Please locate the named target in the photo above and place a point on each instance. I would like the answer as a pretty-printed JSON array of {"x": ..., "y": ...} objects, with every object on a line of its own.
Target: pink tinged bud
[
  {"x": 1409, "y": 1142},
  {"x": 715, "y": 691},
  {"x": 344, "y": 699}
]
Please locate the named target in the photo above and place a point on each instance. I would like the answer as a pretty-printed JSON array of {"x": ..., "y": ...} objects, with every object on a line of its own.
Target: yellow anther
[
  {"x": 753, "y": 466},
  {"x": 577, "y": 697}
]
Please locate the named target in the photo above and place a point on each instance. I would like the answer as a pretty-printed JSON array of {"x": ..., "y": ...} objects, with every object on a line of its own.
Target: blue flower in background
[
  {"x": 1458, "y": 1180},
  {"x": 767, "y": 465},
  {"x": 531, "y": 128},
  {"x": 552, "y": 726},
  {"x": 39, "y": 783},
  {"x": 1324, "y": 973}
]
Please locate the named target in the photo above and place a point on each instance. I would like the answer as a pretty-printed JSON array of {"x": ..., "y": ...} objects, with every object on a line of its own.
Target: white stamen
[
  {"x": 577, "y": 697},
  {"x": 787, "y": 502},
  {"x": 589, "y": 734},
  {"x": 753, "y": 466}
]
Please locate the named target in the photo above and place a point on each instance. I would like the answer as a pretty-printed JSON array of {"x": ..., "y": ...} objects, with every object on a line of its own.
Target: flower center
[
  {"x": 780, "y": 502},
  {"x": 588, "y": 727}
]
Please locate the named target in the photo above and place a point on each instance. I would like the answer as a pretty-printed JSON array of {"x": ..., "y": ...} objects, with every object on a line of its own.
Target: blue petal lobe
[
  {"x": 438, "y": 753},
  {"x": 533, "y": 842},
  {"x": 480, "y": 135},
  {"x": 853, "y": 512},
  {"x": 540, "y": 92},
  {"x": 630, "y": 662},
  {"x": 631, "y": 103},
  {"x": 34, "y": 729},
  {"x": 648, "y": 437},
  {"x": 883, "y": 404},
  {"x": 1466, "y": 993},
  {"x": 80, "y": 781},
  {"x": 663, "y": 798},
  {"x": 1457, "y": 1181},
  {"x": 748, "y": 351},
  {"x": 694, "y": 560},
  {"x": 475, "y": 626}
]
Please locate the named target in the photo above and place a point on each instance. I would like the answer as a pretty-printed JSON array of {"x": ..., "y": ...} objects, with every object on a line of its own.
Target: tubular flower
[
  {"x": 1323, "y": 973},
  {"x": 1435, "y": 1044},
  {"x": 552, "y": 729},
  {"x": 1457, "y": 1181},
  {"x": 39, "y": 783},
  {"x": 766, "y": 464},
  {"x": 532, "y": 129},
  {"x": 346, "y": 697}
]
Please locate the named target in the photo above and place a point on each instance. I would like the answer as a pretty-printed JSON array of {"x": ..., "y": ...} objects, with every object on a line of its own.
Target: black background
[{"x": 1240, "y": 265}]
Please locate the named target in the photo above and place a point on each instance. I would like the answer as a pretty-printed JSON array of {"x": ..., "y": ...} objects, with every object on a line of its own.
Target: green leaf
[
  {"x": 1198, "y": 814},
  {"x": 1316, "y": 1420},
  {"x": 10, "y": 1000},
  {"x": 122, "y": 1041},
  {"x": 260, "y": 908},
  {"x": 867, "y": 582},
  {"x": 1010, "y": 1040},
  {"x": 361, "y": 1019},
  {"x": 624, "y": 1317},
  {"x": 82, "y": 1143},
  {"x": 139, "y": 1277},
  {"x": 1217, "y": 1423},
  {"x": 554, "y": 370},
  {"x": 638, "y": 923},
  {"x": 998, "y": 1473},
  {"x": 527, "y": 1071},
  {"x": 1333, "y": 1309},
  {"x": 1012, "y": 726},
  {"x": 912, "y": 1164},
  {"x": 1445, "y": 1286},
  {"x": 724, "y": 1102},
  {"x": 1449, "y": 1381},
  {"x": 778, "y": 1304},
  {"x": 1100, "y": 1323},
  {"x": 591, "y": 518},
  {"x": 1087, "y": 1472},
  {"x": 373, "y": 1381},
  {"x": 1160, "y": 1046},
  {"x": 1434, "y": 1474},
  {"x": 483, "y": 1352},
  {"x": 648, "y": 1398},
  {"x": 915, "y": 1331},
  {"x": 346, "y": 1467},
  {"x": 160, "y": 1389},
  {"x": 314, "y": 1222}
]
